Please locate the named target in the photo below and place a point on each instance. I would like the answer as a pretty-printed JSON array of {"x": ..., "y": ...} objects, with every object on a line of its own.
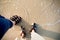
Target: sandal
[
  {"x": 34, "y": 27},
  {"x": 16, "y": 19},
  {"x": 23, "y": 33}
]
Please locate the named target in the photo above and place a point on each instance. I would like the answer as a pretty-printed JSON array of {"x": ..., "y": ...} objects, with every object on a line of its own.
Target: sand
[{"x": 45, "y": 13}]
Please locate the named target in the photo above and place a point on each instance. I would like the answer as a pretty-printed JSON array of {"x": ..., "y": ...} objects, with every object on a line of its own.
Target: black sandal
[
  {"x": 34, "y": 27},
  {"x": 16, "y": 18},
  {"x": 13, "y": 18},
  {"x": 23, "y": 31}
]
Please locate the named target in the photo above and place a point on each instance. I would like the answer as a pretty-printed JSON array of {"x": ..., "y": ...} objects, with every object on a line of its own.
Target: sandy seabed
[{"x": 46, "y": 13}]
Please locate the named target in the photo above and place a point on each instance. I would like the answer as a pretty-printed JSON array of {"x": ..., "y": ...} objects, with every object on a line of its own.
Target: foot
[
  {"x": 23, "y": 33},
  {"x": 16, "y": 19},
  {"x": 13, "y": 18},
  {"x": 33, "y": 27}
]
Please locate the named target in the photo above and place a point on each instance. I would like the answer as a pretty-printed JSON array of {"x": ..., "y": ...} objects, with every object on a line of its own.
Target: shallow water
[{"x": 46, "y": 13}]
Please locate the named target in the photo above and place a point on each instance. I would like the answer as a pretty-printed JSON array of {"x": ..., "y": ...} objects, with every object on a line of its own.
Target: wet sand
[{"x": 46, "y": 13}]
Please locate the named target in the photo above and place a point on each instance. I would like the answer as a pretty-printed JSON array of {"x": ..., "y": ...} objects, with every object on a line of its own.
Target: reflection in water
[{"x": 35, "y": 36}]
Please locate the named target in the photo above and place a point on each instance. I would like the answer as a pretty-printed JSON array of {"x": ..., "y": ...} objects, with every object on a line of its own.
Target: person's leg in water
[
  {"x": 34, "y": 34},
  {"x": 18, "y": 19},
  {"x": 5, "y": 24},
  {"x": 23, "y": 32}
]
